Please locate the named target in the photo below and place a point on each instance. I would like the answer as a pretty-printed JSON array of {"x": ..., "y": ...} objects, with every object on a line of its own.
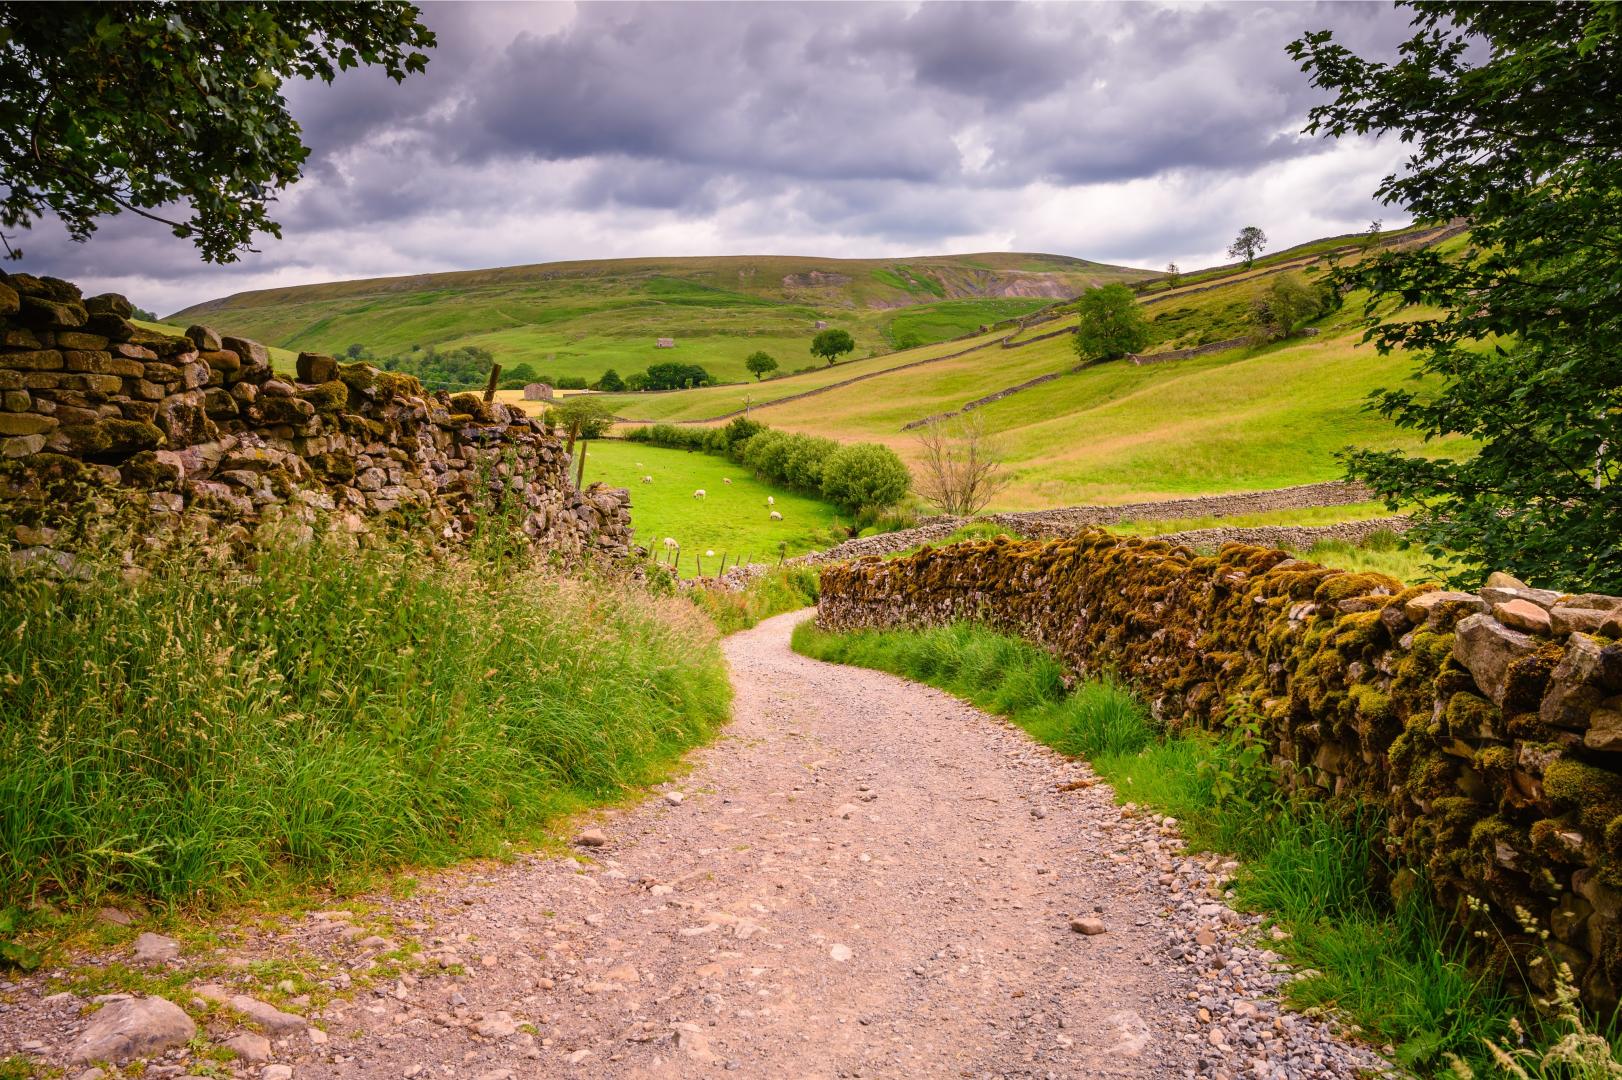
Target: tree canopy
[
  {"x": 1247, "y": 245},
  {"x": 832, "y": 344},
  {"x": 1112, "y": 324},
  {"x": 759, "y": 363},
  {"x": 145, "y": 107},
  {"x": 1514, "y": 116}
]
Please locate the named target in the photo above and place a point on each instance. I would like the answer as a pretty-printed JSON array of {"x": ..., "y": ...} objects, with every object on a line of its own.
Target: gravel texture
[{"x": 864, "y": 877}]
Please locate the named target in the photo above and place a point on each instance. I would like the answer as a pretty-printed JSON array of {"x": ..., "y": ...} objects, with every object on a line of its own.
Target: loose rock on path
[{"x": 864, "y": 877}]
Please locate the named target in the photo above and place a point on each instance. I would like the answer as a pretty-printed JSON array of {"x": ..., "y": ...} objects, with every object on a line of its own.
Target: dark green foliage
[
  {"x": 581, "y": 417},
  {"x": 1111, "y": 323},
  {"x": 671, "y": 375},
  {"x": 830, "y": 345},
  {"x": 126, "y": 106},
  {"x": 1514, "y": 114},
  {"x": 571, "y": 382},
  {"x": 1289, "y": 303},
  {"x": 759, "y": 363},
  {"x": 610, "y": 383},
  {"x": 865, "y": 475},
  {"x": 857, "y": 476},
  {"x": 463, "y": 368},
  {"x": 521, "y": 375},
  {"x": 1247, "y": 245},
  {"x": 355, "y": 351},
  {"x": 143, "y": 314}
]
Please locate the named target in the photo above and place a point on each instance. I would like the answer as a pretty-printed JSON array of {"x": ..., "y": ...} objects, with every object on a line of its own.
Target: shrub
[
  {"x": 571, "y": 382},
  {"x": 807, "y": 455},
  {"x": 611, "y": 382},
  {"x": 865, "y": 475}
]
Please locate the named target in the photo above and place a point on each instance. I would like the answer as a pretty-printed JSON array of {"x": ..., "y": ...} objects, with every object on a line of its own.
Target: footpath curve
[{"x": 863, "y": 877}]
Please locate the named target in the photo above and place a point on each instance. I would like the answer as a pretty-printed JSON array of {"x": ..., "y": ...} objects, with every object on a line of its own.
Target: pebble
[
  {"x": 1089, "y": 926},
  {"x": 591, "y": 838},
  {"x": 840, "y": 953}
]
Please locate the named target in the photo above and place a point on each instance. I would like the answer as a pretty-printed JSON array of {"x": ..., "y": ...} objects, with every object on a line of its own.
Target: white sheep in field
[
  {"x": 647, "y": 479},
  {"x": 670, "y": 543},
  {"x": 724, "y": 480},
  {"x": 770, "y": 501},
  {"x": 699, "y": 494},
  {"x": 776, "y": 516}
]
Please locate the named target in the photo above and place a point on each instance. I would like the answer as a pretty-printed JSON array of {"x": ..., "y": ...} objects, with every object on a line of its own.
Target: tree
[
  {"x": 143, "y": 314},
  {"x": 832, "y": 344},
  {"x": 581, "y": 417},
  {"x": 864, "y": 476},
  {"x": 1247, "y": 245},
  {"x": 672, "y": 375},
  {"x": 355, "y": 352},
  {"x": 1371, "y": 235},
  {"x": 1174, "y": 275},
  {"x": 962, "y": 465},
  {"x": 142, "y": 107},
  {"x": 1510, "y": 116},
  {"x": 611, "y": 382},
  {"x": 1287, "y": 303},
  {"x": 1112, "y": 324},
  {"x": 759, "y": 363}
]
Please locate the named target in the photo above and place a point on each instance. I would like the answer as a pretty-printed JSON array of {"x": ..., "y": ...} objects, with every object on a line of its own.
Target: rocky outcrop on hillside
[
  {"x": 199, "y": 432},
  {"x": 1484, "y": 729}
]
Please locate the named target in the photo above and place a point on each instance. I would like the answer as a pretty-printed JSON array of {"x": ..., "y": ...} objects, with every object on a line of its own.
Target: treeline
[{"x": 855, "y": 476}]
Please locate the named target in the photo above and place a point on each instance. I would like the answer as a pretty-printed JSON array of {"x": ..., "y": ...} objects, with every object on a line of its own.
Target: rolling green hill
[
  {"x": 1246, "y": 418},
  {"x": 580, "y": 318}
]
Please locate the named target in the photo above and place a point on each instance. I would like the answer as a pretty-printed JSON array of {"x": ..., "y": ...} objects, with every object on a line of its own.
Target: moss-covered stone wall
[
  {"x": 1485, "y": 728},
  {"x": 169, "y": 432}
]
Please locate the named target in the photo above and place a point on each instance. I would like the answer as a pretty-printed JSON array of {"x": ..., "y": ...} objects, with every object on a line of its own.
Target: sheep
[
  {"x": 670, "y": 543},
  {"x": 699, "y": 494},
  {"x": 770, "y": 501},
  {"x": 725, "y": 480},
  {"x": 776, "y": 516},
  {"x": 647, "y": 479}
]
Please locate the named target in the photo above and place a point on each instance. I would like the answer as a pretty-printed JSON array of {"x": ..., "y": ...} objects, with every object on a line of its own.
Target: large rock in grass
[{"x": 135, "y": 1027}]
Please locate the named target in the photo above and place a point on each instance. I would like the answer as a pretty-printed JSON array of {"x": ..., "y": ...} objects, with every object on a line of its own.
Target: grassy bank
[
  {"x": 207, "y": 733},
  {"x": 1393, "y": 969},
  {"x": 773, "y": 593}
]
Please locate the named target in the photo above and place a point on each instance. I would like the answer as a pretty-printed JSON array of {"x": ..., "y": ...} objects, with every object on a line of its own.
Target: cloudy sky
[{"x": 1135, "y": 133}]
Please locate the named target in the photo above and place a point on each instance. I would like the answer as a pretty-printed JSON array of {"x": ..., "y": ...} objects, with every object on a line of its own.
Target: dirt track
[{"x": 863, "y": 877}]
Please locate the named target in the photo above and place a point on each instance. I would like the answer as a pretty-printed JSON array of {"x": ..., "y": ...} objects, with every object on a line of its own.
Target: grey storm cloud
[{"x": 889, "y": 121}]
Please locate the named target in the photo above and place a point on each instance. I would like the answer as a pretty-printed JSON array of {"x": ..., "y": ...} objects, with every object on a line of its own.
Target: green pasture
[{"x": 732, "y": 519}]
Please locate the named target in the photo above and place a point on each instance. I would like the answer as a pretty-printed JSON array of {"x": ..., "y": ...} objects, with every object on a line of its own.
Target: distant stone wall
[
  {"x": 1484, "y": 728},
  {"x": 198, "y": 430}
]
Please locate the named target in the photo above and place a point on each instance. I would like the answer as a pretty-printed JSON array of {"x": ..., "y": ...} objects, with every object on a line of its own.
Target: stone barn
[{"x": 537, "y": 391}]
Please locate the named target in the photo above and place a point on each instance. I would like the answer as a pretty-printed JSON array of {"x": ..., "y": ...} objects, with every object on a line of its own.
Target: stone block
[
  {"x": 249, "y": 352},
  {"x": 1523, "y": 615},
  {"x": 32, "y": 360},
  {"x": 316, "y": 368},
  {"x": 25, "y": 423},
  {"x": 205, "y": 338},
  {"x": 37, "y": 311}
]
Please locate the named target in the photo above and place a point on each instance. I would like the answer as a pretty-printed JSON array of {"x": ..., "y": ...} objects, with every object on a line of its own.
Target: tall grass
[
  {"x": 1395, "y": 968},
  {"x": 207, "y": 732},
  {"x": 773, "y": 593}
]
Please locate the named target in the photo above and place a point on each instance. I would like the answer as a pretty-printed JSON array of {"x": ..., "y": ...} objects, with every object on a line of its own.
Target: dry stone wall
[
  {"x": 199, "y": 431},
  {"x": 1484, "y": 727}
]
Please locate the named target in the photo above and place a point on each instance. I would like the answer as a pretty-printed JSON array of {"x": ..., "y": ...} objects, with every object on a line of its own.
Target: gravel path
[{"x": 863, "y": 877}]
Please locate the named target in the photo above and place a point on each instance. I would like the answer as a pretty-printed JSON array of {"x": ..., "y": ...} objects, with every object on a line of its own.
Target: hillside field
[
  {"x": 581, "y": 318},
  {"x": 732, "y": 519}
]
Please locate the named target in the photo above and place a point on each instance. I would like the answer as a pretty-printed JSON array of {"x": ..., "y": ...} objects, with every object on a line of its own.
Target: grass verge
[
  {"x": 1393, "y": 969},
  {"x": 207, "y": 733},
  {"x": 773, "y": 593}
]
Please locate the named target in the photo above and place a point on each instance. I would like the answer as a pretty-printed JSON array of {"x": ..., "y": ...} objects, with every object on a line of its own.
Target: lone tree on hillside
[
  {"x": 149, "y": 107},
  {"x": 831, "y": 345},
  {"x": 962, "y": 468},
  {"x": 611, "y": 382},
  {"x": 759, "y": 363},
  {"x": 1112, "y": 324},
  {"x": 1247, "y": 245},
  {"x": 1509, "y": 113},
  {"x": 1174, "y": 275}
]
